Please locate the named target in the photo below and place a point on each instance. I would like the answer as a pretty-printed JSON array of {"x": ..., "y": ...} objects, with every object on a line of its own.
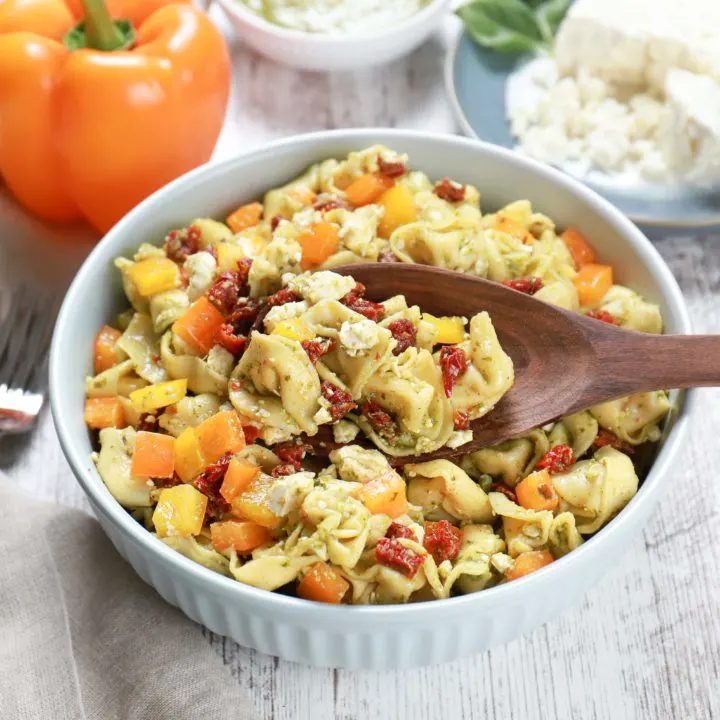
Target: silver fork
[{"x": 25, "y": 334}]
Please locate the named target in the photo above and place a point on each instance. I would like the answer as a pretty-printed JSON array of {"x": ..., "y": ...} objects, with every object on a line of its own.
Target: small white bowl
[
  {"x": 336, "y": 52},
  {"x": 376, "y": 637}
]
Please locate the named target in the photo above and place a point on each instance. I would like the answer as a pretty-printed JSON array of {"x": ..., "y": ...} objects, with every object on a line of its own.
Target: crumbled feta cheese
[
  {"x": 288, "y": 492},
  {"x": 358, "y": 337},
  {"x": 501, "y": 562},
  {"x": 220, "y": 360},
  {"x": 357, "y": 464},
  {"x": 322, "y": 416},
  {"x": 280, "y": 313},
  {"x": 323, "y": 285},
  {"x": 345, "y": 431},
  {"x": 691, "y": 132},
  {"x": 632, "y": 88},
  {"x": 458, "y": 438},
  {"x": 200, "y": 269}
]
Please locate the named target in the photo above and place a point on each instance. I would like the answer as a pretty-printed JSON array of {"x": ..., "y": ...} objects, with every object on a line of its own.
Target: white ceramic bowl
[
  {"x": 344, "y": 636},
  {"x": 337, "y": 52}
]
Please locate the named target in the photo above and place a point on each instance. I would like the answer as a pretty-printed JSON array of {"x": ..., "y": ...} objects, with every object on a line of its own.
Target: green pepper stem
[{"x": 101, "y": 33}]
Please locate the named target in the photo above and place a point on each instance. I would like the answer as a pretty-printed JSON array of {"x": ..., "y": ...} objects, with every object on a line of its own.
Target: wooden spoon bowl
[{"x": 564, "y": 361}]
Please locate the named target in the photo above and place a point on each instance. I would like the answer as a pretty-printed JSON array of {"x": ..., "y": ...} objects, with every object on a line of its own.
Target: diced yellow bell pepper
[
  {"x": 399, "y": 207},
  {"x": 228, "y": 256},
  {"x": 294, "y": 329},
  {"x": 180, "y": 511},
  {"x": 254, "y": 502},
  {"x": 189, "y": 460},
  {"x": 154, "y": 275},
  {"x": 506, "y": 224},
  {"x": 450, "y": 330},
  {"x": 159, "y": 395}
]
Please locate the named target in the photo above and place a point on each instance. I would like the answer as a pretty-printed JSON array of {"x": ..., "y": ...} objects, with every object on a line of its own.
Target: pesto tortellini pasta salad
[{"x": 241, "y": 344}]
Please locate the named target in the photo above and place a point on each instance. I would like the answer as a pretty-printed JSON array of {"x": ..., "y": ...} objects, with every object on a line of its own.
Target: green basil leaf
[
  {"x": 504, "y": 25},
  {"x": 549, "y": 15}
]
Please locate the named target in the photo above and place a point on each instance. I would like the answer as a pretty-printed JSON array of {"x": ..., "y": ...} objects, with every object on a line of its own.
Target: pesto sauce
[{"x": 335, "y": 16}]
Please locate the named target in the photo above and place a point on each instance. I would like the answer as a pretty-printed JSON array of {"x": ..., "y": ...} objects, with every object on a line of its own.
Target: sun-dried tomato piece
[
  {"x": 602, "y": 316},
  {"x": 227, "y": 337},
  {"x": 245, "y": 311},
  {"x": 391, "y": 169},
  {"x": 398, "y": 530},
  {"x": 404, "y": 333},
  {"x": 393, "y": 554},
  {"x": 166, "y": 482},
  {"x": 442, "y": 540},
  {"x": 527, "y": 285},
  {"x": 281, "y": 297},
  {"x": 243, "y": 270},
  {"x": 251, "y": 433},
  {"x": 450, "y": 191},
  {"x": 325, "y": 203},
  {"x": 209, "y": 482},
  {"x": 180, "y": 244},
  {"x": 318, "y": 347},
  {"x": 354, "y": 300},
  {"x": 505, "y": 490},
  {"x": 284, "y": 469},
  {"x": 453, "y": 363},
  {"x": 292, "y": 453},
  {"x": 556, "y": 459},
  {"x": 276, "y": 220},
  {"x": 147, "y": 422},
  {"x": 388, "y": 256},
  {"x": 381, "y": 422},
  {"x": 341, "y": 402},
  {"x": 226, "y": 290},
  {"x": 461, "y": 420},
  {"x": 605, "y": 437}
]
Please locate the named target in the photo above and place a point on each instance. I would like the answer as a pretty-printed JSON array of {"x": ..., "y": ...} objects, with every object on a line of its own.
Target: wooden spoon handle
[{"x": 651, "y": 362}]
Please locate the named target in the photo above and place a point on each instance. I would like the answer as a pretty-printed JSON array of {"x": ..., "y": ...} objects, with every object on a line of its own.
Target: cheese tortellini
[{"x": 240, "y": 344}]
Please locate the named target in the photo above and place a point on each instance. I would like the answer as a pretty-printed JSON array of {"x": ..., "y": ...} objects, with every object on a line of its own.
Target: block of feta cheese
[
  {"x": 637, "y": 42},
  {"x": 690, "y": 132}
]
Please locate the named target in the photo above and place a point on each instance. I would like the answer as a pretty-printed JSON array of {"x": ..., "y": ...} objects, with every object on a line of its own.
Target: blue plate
[{"x": 476, "y": 78}]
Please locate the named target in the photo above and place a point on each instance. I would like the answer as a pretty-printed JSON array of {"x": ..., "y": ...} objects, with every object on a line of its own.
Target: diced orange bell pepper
[
  {"x": 536, "y": 492},
  {"x": 318, "y": 244},
  {"x": 580, "y": 249},
  {"x": 303, "y": 195},
  {"x": 592, "y": 282},
  {"x": 154, "y": 455},
  {"x": 246, "y": 216},
  {"x": 104, "y": 412},
  {"x": 189, "y": 461},
  {"x": 254, "y": 502},
  {"x": 105, "y": 356},
  {"x": 94, "y": 123},
  {"x": 385, "y": 495},
  {"x": 528, "y": 562},
  {"x": 197, "y": 327},
  {"x": 367, "y": 189},
  {"x": 239, "y": 475},
  {"x": 323, "y": 584},
  {"x": 220, "y": 434},
  {"x": 506, "y": 224},
  {"x": 241, "y": 536}
]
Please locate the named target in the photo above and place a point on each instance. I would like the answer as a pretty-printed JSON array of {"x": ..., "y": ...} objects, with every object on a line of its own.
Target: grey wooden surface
[{"x": 644, "y": 643}]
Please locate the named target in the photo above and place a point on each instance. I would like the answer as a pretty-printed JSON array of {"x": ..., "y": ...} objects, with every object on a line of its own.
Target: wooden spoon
[{"x": 564, "y": 361}]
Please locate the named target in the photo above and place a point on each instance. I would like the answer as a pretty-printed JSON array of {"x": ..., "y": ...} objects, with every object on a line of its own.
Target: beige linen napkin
[{"x": 81, "y": 636}]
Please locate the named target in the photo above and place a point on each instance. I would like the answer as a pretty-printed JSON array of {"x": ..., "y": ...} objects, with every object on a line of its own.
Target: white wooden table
[{"x": 644, "y": 644}]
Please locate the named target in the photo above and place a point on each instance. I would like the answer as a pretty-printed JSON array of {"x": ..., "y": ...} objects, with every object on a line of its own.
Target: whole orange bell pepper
[{"x": 95, "y": 117}]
